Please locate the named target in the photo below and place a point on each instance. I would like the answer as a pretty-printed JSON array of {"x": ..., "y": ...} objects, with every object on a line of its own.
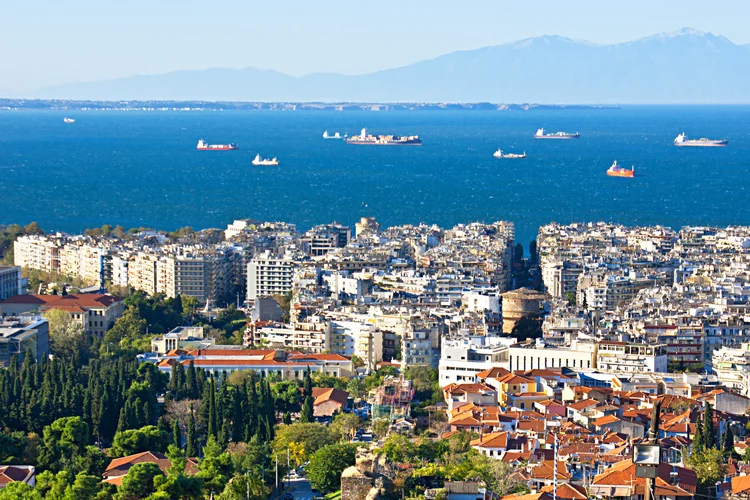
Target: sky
[{"x": 49, "y": 42}]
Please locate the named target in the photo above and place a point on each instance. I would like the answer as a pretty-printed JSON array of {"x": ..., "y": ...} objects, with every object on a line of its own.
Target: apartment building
[
  {"x": 354, "y": 338},
  {"x": 322, "y": 239},
  {"x": 269, "y": 275},
  {"x": 630, "y": 357},
  {"x": 463, "y": 358},
  {"x": 538, "y": 355},
  {"x": 10, "y": 281},
  {"x": 37, "y": 252}
]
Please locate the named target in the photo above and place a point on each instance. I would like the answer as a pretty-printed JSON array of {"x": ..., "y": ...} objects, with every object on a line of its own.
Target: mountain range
[{"x": 686, "y": 66}]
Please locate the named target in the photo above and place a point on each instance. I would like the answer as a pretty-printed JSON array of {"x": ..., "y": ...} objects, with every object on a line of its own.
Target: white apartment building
[
  {"x": 120, "y": 263},
  {"x": 311, "y": 337},
  {"x": 473, "y": 301},
  {"x": 237, "y": 227},
  {"x": 10, "y": 281},
  {"x": 539, "y": 355},
  {"x": 628, "y": 357},
  {"x": 461, "y": 359},
  {"x": 142, "y": 272},
  {"x": 354, "y": 338},
  {"x": 560, "y": 278},
  {"x": 732, "y": 366},
  {"x": 36, "y": 252},
  {"x": 268, "y": 275}
]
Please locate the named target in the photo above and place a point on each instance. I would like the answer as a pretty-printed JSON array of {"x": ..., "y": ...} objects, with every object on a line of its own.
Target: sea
[{"x": 142, "y": 169}]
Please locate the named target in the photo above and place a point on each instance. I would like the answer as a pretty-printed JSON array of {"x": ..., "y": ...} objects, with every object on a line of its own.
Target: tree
[
  {"x": 177, "y": 484},
  {"x": 399, "y": 449},
  {"x": 307, "y": 384},
  {"x": 518, "y": 253},
  {"x": 344, "y": 425},
  {"x": 710, "y": 466},
  {"x": 286, "y": 396},
  {"x": 381, "y": 426},
  {"x": 356, "y": 387},
  {"x": 245, "y": 487},
  {"x": 148, "y": 438},
  {"x": 528, "y": 327},
  {"x": 327, "y": 464},
  {"x": 312, "y": 436},
  {"x": 727, "y": 442},
  {"x": 216, "y": 467},
  {"x": 699, "y": 442},
  {"x": 709, "y": 433},
  {"x": 66, "y": 335},
  {"x": 532, "y": 252},
  {"x": 191, "y": 444},
  {"x": 308, "y": 413},
  {"x": 64, "y": 440},
  {"x": 139, "y": 481}
]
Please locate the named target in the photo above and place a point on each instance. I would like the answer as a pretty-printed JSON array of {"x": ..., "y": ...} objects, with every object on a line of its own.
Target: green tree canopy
[
  {"x": 139, "y": 481},
  {"x": 327, "y": 464},
  {"x": 148, "y": 438},
  {"x": 313, "y": 436}
]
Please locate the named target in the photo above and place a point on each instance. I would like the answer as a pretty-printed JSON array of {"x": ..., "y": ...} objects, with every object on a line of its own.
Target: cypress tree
[
  {"x": 698, "y": 441},
  {"x": 191, "y": 444},
  {"x": 727, "y": 442},
  {"x": 307, "y": 414},
  {"x": 307, "y": 384},
  {"x": 176, "y": 436},
  {"x": 191, "y": 385},
  {"x": 709, "y": 433},
  {"x": 238, "y": 424},
  {"x": 122, "y": 423},
  {"x": 212, "y": 429}
]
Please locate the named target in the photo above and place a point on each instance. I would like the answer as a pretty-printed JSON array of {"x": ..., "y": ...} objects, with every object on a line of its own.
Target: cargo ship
[
  {"x": 541, "y": 134},
  {"x": 384, "y": 140},
  {"x": 499, "y": 154},
  {"x": 263, "y": 162},
  {"x": 682, "y": 140},
  {"x": 68, "y": 120},
  {"x": 617, "y": 171},
  {"x": 336, "y": 135},
  {"x": 204, "y": 146}
]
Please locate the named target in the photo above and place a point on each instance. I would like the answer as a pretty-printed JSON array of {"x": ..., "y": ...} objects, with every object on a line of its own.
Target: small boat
[
  {"x": 682, "y": 140},
  {"x": 617, "y": 171},
  {"x": 204, "y": 146},
  {"x": 499, "y": 154},
  {"x": 263, "y": 162},
  {"x": 336, "y": 135},
  {"x": 68, "y": 120}
]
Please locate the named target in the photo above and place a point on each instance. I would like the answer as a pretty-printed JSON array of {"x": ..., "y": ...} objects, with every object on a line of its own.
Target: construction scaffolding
[{"x": 393, "y": 398}]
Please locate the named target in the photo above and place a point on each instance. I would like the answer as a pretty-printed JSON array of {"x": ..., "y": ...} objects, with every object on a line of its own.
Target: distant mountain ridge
[{"x": 687, "y": 66}]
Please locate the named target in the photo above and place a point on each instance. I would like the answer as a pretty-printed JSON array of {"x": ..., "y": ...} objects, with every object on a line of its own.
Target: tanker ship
[
  {"x": 682, "y": 140},
  {"x": 541, "y": 134},
  {"x": 204, "y": 146},
  {"x": 617, "y": 171},
  {"x": 384, "y": 140}
]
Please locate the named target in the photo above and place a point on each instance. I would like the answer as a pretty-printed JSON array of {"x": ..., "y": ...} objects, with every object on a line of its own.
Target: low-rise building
[
  {"x": 183, "y": 337},
  {"x": 95, "y": 312},
  {"x": 22, "y": 335},
  {"x": 10, "y": 281},
  {"x": 630, "y": 357}
]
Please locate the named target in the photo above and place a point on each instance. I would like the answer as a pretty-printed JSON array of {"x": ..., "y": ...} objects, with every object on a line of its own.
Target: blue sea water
[{"x": 142, "y": 169}]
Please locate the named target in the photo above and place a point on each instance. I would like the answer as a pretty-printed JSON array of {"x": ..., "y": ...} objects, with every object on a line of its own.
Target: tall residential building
[
  {"x": 36, "y": 252},
  {"x": 142, "y": 272},
  {"x": 269, "y": 275},
  {"x": 10, "y": 281},
  {"x": 354, "y": 338}
]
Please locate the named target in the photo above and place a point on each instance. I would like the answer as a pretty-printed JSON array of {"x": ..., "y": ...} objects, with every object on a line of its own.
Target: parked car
[{"x": 288, "y": 496}]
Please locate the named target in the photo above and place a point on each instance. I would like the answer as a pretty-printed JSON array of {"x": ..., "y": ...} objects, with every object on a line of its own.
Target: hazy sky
[{"x": 47, "y": 42}]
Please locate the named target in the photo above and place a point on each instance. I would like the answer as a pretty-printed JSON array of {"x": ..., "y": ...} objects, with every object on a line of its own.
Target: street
[{"x": 300, "y": 488}]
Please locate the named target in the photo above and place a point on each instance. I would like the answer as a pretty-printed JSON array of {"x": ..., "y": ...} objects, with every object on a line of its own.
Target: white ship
[
  {"x": 68, "y": 120},
  {"x": 499, "y": 154},
  {"x": 263, "y": 162},
  {"x": 682, "y": 140},
  {"x": 336, "y": 135},
  {"x": 541, "y": 134}
]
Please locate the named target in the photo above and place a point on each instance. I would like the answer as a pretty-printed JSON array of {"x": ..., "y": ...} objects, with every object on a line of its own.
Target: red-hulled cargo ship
[{"x": 204, "y": 146}]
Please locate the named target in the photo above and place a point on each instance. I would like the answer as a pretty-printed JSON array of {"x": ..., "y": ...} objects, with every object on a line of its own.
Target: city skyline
[{"x": 336, "y": 37}]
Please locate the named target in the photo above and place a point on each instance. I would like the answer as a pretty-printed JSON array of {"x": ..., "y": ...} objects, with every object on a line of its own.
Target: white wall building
[
  {"x": 626, "y": 357},
  {"x": 461, "y": 359},
  {"x": 268, "y": 275},
  {"x": 529, "y": 357}
]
